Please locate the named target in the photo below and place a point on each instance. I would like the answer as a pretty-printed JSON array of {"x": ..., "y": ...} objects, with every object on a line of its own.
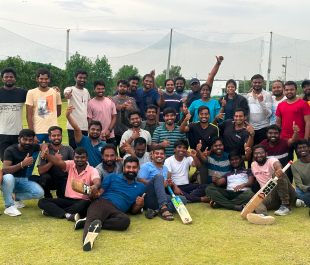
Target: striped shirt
[
  {"x": 162, "y": 132},
  {"x": 171, "y": 101},
  {"x": 279, "y": 151},
  {"x": 219, "y": 165}
]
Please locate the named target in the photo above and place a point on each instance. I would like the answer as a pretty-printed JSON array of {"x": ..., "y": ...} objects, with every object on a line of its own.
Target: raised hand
[
  {"x": 249, "y": 127},
  {"x": 207, "y": 152},
  {"x": 198, "y": 146},
  {"x": 27, "y": 161},
  {"x": 224, "y": 102},
  {"x": 166, "y": 143},
  {"x": 160, "y": 92},
  {"x": 219, "y": 59},
  {"x": 215, "y": 178},
  {"x": 251, "y": 89},
  {"x": 247, "y": 149},
  {"x": 184, "y": 100},
  {"x": 295, "y": 128},
  {"x": 140, "y": 200},
  {"x": 152, "y": 73},
  {"x": 220, "y": 116},
  {"x": 59, "y": 156},
  {"x": 192, "y": 153},
  {"x": 260, "y": 97},
  {"x": 185, "y": 109},
  {"x": 135, "y": 134},
  {"x": 69, "y": 110},
  {"x": 188, "y": 117},
  {"x": 119, "y": 106},
  {"x": 69, "y": 94},
  {"x": 129, "y": 106}
]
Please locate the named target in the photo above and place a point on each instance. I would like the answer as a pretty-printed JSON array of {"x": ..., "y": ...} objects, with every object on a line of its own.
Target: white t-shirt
[
  {"x": 179, "y": 170},
  {"x": 144, "y": 159},
  {"x": 275, "y": 104},
  {"x": 79, "y": 100},
  {"x": 143, "y": 133}
]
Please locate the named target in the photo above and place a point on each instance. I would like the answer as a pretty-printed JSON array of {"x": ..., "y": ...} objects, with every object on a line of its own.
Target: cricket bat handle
[
  {"x": 285, "y": 168},
  {"x": 171, "y": 192}
]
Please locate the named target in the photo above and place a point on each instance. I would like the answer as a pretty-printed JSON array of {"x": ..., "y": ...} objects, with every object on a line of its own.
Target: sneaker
[
  {"x": 45, "y": 213},
  {"x": 283, "y": 210},
  {"x": 12, "y": 211},
  {"x": 19, "y": 204},
  {"x": 79, "y": 224},
  {"x": 93, "y": 231},
  {"x": 300, "y": 203},
  {"x": 260, "y": 219},
  {"x": 74, "y": 217}
]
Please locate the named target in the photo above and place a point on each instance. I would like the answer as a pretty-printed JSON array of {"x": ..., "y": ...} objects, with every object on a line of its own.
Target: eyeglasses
[{"x": 259, "y": 153}]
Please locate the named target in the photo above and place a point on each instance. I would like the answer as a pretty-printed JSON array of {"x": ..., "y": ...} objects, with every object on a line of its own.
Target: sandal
[
  {"x": 165, "y": 216},
  {"x": 149, "y": 214},
  {"x": 214, "y": 205},
  {"x": 241, "y": 207}
]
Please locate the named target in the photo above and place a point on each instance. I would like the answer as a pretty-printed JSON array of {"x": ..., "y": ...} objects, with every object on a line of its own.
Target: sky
[{"x": 131, "y": 25}]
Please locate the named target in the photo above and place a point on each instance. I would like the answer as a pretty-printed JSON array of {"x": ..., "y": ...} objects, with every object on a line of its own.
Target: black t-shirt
[
  {"x": 197, "y": 133},
  {"x": 56, "y": 172},
  {"x": 12, "y": 153},
  {"x": 233, "y": 139},
  {"x": 16, "y": 95}
]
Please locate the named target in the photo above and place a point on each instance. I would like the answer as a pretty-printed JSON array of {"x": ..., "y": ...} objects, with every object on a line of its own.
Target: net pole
[
  {"x": 269, "y": 63},
  {"x": 169, "y": 56},
  {"x": 67, "y": 46}
]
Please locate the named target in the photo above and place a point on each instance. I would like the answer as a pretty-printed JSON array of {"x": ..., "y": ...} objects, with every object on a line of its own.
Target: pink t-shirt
[
  {"x": 86, "y": 176},
  {"x": 102, "y": 111},
  {"x": 263, "y": 173},
  {"x": 290, "y": 113}
]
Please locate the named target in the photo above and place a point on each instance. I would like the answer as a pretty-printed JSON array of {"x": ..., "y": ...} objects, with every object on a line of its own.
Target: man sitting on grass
[
  {"x": 179, "y": 165},
  {"x": 139, "y": 151},
  {"x": 74, "y": 205},
  {"x": 154, "y": 176},
  {"x": 110, "y": 163},
  {"x": 280, "y": 197},
  {"x": 118, "y": 194},
  {"x": 239, "y": 182},
  {"x": 300, "y": 170}
]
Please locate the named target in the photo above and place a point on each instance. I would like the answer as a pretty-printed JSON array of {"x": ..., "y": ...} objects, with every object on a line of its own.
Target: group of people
[{"x": 130, "y": 147}]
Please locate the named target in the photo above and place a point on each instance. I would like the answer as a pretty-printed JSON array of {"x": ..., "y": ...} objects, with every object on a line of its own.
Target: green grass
[{"x": 215, "y": 237}]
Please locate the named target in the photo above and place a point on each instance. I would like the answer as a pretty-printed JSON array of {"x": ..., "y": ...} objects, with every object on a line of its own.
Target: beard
[
  {"x": 9, "y": 85},
  {"x": 130, "y": 175},
  {"x": 122, "y": 93},
  {"x": 108, "y": 163},
  {"x": 262, "y": 162}
]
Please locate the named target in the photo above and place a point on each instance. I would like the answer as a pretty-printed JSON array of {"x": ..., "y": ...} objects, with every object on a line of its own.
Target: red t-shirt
[{"x": 290, "y": 113}]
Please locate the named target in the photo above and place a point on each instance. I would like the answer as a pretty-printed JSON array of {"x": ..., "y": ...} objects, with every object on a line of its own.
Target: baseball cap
[
  {"x": 194, "y": 80},
  {"x": 306, "y": 82}
]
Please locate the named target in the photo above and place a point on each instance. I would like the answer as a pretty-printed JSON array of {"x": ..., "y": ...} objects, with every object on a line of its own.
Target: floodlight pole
[
  {"x": 285, "y": 66},
  {"x": 269, "y": 63},
  {"x": 169, "y": 55},
  {"x": 67, "y": 49}
]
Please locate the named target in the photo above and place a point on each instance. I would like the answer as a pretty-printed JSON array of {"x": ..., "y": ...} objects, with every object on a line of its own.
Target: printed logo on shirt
[
  {"x": 99, "y": 148},
  {"x": 84, "y": 101},
  {"x": 238, "y": 136},
  {"x": 45, "y": 106}
]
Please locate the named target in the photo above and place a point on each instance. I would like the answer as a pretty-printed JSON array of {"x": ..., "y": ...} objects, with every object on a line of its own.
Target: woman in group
[
  {"x": 232, "y": 100},
  {"x": 212, "y": 104}
]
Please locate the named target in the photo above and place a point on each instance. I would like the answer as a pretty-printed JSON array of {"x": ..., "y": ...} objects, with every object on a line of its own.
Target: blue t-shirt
[
  {"x": 94, "y": 152},
  {"x": 174, "y": 101},
  {"x": 212, "y": 104},
  {"x": 220, "y": 165},
  {"x": 149, "y": 97},
  {"x": 139, "y": 101},
  {"x": 118, "y": 191},
  {"x": 229, "y": 109},
  {"x": 149, "y": 170}
]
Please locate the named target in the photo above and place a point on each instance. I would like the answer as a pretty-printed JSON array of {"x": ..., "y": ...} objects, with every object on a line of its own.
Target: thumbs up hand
[
  {"x": 295, "y": 128},
  {"x": 166, "y": 143},
  {"x": 198, "y": 147},
  {"x": 69, "y": 94},
  {"x": 140, "y": 200},
  {"x": 215, "y": 178},
  {"x": 27, "y": 161},
  {"x": 59, "y": 156}
]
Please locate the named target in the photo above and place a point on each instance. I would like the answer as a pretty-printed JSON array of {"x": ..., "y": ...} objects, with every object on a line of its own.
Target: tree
[
  {"x": 174, "y": 72},
  {"x": 160, "y": 80},
  {"x": 125, "y": 71}
]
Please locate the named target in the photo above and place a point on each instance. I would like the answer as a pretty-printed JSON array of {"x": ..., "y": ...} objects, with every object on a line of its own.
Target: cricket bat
[
  {"x": 80, "y": 187},
  {"x": 261, "y": 194},
  {"x": 180, "y": 208}
]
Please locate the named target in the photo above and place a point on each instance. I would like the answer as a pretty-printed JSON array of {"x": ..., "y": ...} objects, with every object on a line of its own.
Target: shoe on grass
[
  {"x": 260, "y": 219},
  {"x": 19, "y": 204},
  {"x": 93, "y": 231},
  {"x": 74, "y": 217},
  {"x": 79, "y": 224},
  {"x": 45, "y": 213},
  {"x": 300, "y": 203},
  {"x": 12, "y": 211},
  {"x": 283, "y": 210}
]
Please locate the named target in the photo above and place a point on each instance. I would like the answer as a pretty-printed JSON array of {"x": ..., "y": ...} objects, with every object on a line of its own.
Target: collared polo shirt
[
  {"x": 162, "y": 132},
  {"x": 149, "y": 170},
  {"x": 237, "y": 177},
  {"x": 118, "y": 191},
  {"x": 94, "y": 152},
  {"x": 103, "y": 172},
  {"x": 86, "y": 176}
]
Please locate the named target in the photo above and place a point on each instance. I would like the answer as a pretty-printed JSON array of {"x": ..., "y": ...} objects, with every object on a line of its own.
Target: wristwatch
[
  {"x": 110, "y": 130},
  {"x": 252, "y": 134}
]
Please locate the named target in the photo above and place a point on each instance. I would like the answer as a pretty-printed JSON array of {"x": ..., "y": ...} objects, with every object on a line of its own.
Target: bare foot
[{"x": 205, "y": 199}]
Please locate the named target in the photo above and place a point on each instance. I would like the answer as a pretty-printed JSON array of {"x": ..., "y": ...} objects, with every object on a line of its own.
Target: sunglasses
[{"x": 257, "y": 153}]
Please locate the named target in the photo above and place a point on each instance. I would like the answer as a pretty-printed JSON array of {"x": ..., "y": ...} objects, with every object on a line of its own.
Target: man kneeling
[
  {"x": 74, "y": 204},
  {"x": 118, "y": 193},
  {"x": 239, "y": 182}
]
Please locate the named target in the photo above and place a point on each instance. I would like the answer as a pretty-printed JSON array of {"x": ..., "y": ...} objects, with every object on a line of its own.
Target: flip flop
[
  {"x": 93, "y": 231},
  {"x": 149, "y": 214}
]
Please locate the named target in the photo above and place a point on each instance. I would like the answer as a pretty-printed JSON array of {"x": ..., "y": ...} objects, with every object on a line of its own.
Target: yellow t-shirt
[{"x": 44, "y": 108}]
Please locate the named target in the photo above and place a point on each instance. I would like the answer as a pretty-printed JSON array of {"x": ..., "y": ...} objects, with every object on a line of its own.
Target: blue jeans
[
  {"x": 41, "y": 137},
  {"x": 156, "y": 196},
  {"x": 300, "y": 194},
  {"x": 22, "y": 187}
]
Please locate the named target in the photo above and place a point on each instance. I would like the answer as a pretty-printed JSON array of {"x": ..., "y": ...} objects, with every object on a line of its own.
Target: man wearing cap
[
  {"x": 306, "y": 88},
  {"x": 195, "y": 84}
]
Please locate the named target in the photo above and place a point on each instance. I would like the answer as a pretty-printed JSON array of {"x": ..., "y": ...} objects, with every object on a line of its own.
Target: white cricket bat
[
  {"x": 180, "y": 208},
  {"x": 261, "y": 194}
]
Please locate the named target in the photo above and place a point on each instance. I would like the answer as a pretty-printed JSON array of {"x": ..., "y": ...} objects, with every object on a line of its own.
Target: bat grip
[
  {"x": 287, "y": 166},
  {"x": 171, "y": 192}
]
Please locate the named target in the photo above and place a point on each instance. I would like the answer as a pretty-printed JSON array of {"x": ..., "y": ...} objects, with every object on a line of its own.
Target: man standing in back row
[{"x": 78, "y": 96}]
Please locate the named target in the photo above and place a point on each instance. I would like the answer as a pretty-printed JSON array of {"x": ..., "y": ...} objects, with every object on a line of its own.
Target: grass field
[{"x": 215, "y": 237}]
